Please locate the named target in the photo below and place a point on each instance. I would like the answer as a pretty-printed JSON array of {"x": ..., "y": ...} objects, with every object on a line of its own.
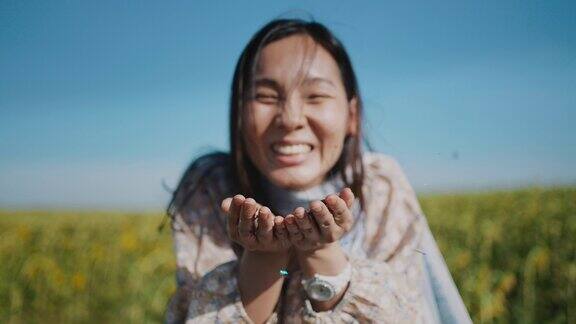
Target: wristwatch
[{"x": 324, "y": 288}]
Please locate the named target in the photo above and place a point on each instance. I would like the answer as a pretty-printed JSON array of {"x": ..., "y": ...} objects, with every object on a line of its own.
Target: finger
[
  {"x": 293, "y": 230},
  {"x": 280, "y": 231},
  {"x": 340, "y": 211},
  {"x": 306, "y": 225},
  {"x": 247, "y": 214},
  {"x": 264, "y": 232},
  {"x": 324, "y": 219},
  {"x": 348, "y": 196},
  {"x": 256, "y": 218},
  {"x": 233, "y": 217},
  {"x": 225, "y": 205}
]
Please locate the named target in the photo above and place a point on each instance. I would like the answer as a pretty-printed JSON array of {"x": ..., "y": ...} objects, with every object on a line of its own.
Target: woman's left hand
[
  {"x": 270, "y": 234},
  {"x": 327, "y": 221}
]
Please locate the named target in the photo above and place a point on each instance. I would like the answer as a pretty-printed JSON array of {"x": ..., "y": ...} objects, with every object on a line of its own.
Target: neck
[{"x": 284, "y": 201}]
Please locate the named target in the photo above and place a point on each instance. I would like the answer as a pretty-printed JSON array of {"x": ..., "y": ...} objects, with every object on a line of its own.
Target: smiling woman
[
  {"x": 297, "y": 223},
  {"x": 298, "y": 119}
]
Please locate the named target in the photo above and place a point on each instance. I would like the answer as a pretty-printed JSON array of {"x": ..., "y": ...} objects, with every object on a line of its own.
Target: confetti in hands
[{"x": 255, "y": 227}]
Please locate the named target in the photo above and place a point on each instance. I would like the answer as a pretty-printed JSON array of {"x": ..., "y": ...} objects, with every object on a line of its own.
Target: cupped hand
[
  {"x": 254, "y": 226},
  {"x": 326, "y": 222}
]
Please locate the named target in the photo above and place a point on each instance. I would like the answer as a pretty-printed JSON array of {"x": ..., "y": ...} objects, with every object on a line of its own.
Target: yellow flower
[
  {"x": 23, "y": 233},
  {"x": 128, "y": 241},
  {"x": 79, "y": 281},
  {"x": 463, "y": 260},
  {"x": 507, "y": 283}
]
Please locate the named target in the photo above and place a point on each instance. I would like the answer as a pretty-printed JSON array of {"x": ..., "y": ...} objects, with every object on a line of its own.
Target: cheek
[
  {"x": 331, "y": 148},
  {"x": 257, "y": 121},
  {"x": 331, "y": 129}
]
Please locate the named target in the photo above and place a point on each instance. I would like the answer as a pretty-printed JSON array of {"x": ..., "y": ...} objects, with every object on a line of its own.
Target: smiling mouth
[{"x": 291, "y": 149}]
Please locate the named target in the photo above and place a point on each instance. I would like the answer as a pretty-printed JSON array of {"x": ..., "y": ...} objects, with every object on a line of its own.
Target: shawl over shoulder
[{"x": 403, "y": 277}]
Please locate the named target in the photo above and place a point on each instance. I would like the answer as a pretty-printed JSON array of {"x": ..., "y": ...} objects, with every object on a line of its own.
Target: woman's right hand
[
  {"x": 326, "y": 223},
  {"x": 269, "y": 236}
]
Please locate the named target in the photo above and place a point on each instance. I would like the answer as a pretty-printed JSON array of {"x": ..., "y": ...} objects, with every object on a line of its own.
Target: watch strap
[{"x": 338, "y": 282}]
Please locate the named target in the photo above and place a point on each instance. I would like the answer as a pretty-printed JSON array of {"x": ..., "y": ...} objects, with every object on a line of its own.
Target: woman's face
[{"x": 297, "y": 120}]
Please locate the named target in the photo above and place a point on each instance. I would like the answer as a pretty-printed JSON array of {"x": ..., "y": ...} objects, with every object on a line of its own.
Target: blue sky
[{"x": 102, "y": 101}]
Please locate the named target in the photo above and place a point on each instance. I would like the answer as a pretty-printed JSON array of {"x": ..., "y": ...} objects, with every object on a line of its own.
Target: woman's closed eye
[
  {"x": 316, "y": 98},
  {"x": 266, "y": 98}
]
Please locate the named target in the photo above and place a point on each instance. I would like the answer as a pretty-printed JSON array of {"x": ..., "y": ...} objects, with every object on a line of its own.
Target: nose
[{"x": 291, "y": 114}]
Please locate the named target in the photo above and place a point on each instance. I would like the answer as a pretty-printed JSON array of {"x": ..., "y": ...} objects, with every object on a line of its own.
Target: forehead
[{"x": 296, "y": 58}]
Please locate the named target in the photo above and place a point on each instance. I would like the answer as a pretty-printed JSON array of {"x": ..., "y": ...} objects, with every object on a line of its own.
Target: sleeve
[
  {"x": 201, "y": 294},
  {"x": 185, "y": 280},
  {"x": 378, "y": 292},
  {"x": 206, "y": 262},
  {"x": 442, "y": 301},
  {"x": 390, "y": 284}
]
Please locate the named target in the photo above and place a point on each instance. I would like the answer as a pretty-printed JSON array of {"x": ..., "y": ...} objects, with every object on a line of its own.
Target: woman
[{"x": 297, "y": 223}]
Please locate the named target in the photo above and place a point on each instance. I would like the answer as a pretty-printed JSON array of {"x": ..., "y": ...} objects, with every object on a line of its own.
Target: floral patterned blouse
[{"x": 400, "y": 277}]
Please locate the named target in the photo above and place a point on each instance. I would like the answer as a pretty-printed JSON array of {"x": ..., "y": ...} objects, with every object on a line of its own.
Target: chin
[{"x": 293, "y": 180}]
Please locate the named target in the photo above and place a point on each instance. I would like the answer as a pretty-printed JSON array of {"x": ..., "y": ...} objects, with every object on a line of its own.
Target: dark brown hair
[
  {"x": 244, "y": 176},
  {"x": 243, "y": 170}
]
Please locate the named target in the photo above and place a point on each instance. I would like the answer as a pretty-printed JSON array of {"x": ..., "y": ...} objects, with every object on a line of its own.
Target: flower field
[{"x": 512, "y": 255}]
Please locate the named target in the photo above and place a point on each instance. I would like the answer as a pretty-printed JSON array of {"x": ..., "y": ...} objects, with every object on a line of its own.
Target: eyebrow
[
  {"x": 266, "y": 82},
  {"x": 319, "y": 80},
  {"x": 271, "y": 83}
]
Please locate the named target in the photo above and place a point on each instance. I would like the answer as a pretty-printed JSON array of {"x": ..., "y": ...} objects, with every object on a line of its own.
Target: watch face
[{"x": 321, "y": 290}]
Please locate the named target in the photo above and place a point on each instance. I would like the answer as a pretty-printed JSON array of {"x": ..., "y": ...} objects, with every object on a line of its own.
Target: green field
[{"x": 512, "y": 254}]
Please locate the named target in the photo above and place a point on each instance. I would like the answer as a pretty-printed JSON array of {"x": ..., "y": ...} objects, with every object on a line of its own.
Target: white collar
[{"x": 284, "y": 201}]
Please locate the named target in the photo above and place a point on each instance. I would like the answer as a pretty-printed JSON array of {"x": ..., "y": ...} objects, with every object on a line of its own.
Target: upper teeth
[{"x": 292, "y": 149}]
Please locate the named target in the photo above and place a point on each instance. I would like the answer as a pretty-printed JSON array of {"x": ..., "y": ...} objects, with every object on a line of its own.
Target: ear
[{"x": 353, "y": 117}]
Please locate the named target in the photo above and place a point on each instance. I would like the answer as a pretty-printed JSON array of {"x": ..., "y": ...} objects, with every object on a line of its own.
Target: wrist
[
  {"x": 260, "y": 282},
  {"x": 325, "y": 250},
  {"x": 329, "y": 260},
  {"x": 321, "y": 288},
  {"x": 264, "y": 265},
  {"x": 267, "y": 259}
]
